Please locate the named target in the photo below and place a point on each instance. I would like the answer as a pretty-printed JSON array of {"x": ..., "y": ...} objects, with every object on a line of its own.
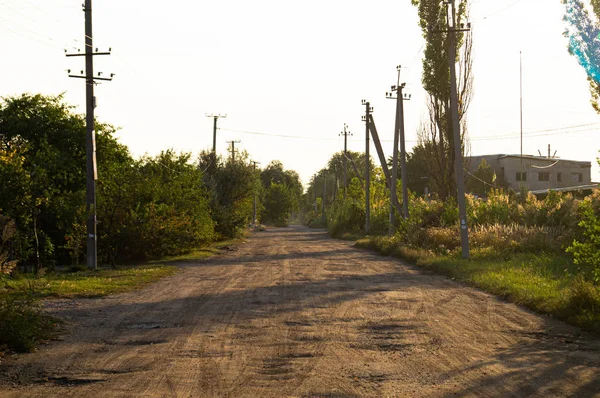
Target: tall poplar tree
[{"x": 436, "y": 132}]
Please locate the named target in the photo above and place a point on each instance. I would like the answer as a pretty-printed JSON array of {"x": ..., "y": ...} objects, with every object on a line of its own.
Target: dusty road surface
[{"x": 294, "y": 313}]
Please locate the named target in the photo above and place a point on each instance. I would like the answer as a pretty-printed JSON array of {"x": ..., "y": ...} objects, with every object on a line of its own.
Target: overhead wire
[{"x": 531, "y": 134}]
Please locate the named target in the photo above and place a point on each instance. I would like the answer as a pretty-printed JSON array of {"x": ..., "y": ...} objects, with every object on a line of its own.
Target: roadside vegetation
[
  {"x": 542, "y": 253},
  {"x": 172, "y": 205}
]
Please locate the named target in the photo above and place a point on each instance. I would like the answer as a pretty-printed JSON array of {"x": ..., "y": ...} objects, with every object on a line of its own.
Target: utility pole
[
  {"x": 345, "y": 133},
  {"x": 324, "y": 197},
  {"x": 521, "y": 112},
  {"x": 215, "y": 117},
  {"x": 90, "y": 140},
  {"x": 368, "y": 110},
  {"x": 398, "y": 136},
  {"x": 460, "y": 178},
  {"x": 232, "y": 150},
  {"x": 254, "y": 210}
]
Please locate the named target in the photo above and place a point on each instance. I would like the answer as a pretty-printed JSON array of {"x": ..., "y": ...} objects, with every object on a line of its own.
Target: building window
[
  {"x": 577, "y": 177},
  {"x": 558, "y": 177},
  {"x": 544, "y": 176},
  {"x": 521, "y": 176}
]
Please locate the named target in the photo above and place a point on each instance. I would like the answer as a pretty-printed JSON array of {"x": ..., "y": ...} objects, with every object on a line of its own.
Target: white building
[{"x": 537, "y": 174}]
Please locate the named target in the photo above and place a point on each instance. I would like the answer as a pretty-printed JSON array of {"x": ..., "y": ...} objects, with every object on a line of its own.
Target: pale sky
[{"x": 297, "y": 70}]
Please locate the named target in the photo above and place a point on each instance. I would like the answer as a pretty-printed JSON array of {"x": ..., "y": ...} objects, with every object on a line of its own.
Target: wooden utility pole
[
  {"x": 232, "y": 149},
  {"x": 215, "y": 118},
  {"x": 366, "y": 118},
  {"x": 323, "y": 218},
  {"x": 90, "y": 140},
  {"x": 399, "y": 136},
  {"x": 254, "y": 210},
  {"x": 345, "y": 133}
]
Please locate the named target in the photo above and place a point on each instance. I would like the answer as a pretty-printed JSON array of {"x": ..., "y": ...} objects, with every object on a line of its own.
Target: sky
[{"x": 296, "y": 72}]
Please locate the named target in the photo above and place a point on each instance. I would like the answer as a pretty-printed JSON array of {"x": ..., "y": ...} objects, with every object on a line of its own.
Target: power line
[
  {"x": 531, "y": 134},
  {"x": 502, "y": 9},
  {"x": 279, "y": 135}
]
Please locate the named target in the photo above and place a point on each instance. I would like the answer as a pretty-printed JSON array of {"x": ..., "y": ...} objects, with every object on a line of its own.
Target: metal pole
[
  {"x": 460, "y": 183},
  {"x": 521, "y": 107},
  {"x": 90, "y": 142},
  {"x": 404, "y": 171},
  {"x": 368, "y": 173}
]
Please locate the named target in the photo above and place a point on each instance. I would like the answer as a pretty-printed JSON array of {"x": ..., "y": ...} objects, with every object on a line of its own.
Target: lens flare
[{"x": 584, "y": 37}]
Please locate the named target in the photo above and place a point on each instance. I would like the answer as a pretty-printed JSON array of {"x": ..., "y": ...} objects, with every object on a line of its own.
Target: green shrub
[
  {"x": 22, "y": 323},
  {"x": 586, "y": 251},
  {"x": 347, "y": 217}
]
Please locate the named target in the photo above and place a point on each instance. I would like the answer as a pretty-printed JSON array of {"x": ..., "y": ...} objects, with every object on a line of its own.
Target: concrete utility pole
[
  {"x": 215, "y": 118},
  {"x": 324, "y": 197},
  {"x": 399, "y": 136},
  {"x": 345, "y": 133},
  {"x": 254, "y": 210},
  {"x": 368, "y": 110},
  {"x": 232, "y": 150},
  {"x": 90, "y": 141},
  {"x": 460, "y": 177}
]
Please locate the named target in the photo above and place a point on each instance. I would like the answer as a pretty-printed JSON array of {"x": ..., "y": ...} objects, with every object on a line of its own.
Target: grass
[
  {"x": 546, "y": 283},
  {"x": 23, "y": 324},
  {"x": 91, "y": 283},
  {"x": 200, "y": 254},
  {"x": 107, "y": 281}
]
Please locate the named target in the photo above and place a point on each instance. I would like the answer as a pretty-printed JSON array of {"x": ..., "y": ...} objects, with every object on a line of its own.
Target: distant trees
[
  {"x": 481, "y": 180},
  {"x": 146, "y": 208},
  {"x": 282, "y": 194},
  {"x": 231, "y": 186}
]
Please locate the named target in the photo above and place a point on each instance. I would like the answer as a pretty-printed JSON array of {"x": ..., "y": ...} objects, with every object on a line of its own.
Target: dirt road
[{"x": 294, "y": 313}]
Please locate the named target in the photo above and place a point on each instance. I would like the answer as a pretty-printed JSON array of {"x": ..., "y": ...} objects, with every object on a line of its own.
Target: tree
[
  {"x": 231, "y": 187},
  {"x": 42, "y": 164},
  {"x": 481, "y": 180},
  {"x": 418, "y": 173},
  {"x": 583, "y": 33},
  {"x": 436, "y": 133},
  {"x": 279, "y": 203},
  {"x": 275, "y": 173},
  {"x": 280, "y": 185}
]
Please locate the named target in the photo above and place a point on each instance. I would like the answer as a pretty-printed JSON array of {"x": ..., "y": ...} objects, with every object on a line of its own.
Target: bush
[
  {"x": 348, "y": 216},
  {"x": 22, "y": 323},
  {"x": 586, "y": 251}
]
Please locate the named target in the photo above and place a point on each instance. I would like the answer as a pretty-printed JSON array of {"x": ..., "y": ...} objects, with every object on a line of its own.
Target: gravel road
[{"x": 293, "y": 313}]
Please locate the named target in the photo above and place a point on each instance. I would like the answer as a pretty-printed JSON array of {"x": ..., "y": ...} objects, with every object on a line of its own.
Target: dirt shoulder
[{"x": 294, "y": 313}]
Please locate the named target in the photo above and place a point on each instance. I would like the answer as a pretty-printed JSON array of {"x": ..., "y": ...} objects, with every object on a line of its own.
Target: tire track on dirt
[{"x": 294, "y": 313}]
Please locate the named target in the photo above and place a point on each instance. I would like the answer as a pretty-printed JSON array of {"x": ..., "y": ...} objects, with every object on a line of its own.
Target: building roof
[
  {"x": 529, "y": 157},
  {"x": 566, "y": 189}
]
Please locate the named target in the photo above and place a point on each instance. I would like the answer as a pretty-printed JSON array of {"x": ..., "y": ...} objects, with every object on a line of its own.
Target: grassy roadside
[
  {"x": 548, "y": 284},
  {"x": 23, "y": 324}
]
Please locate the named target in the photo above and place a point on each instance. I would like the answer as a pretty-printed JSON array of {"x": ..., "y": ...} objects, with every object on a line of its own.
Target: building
[{"x": 538, "y": 174}]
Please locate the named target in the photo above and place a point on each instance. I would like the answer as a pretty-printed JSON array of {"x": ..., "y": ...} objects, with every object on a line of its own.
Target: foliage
[
  {"x": 274, "y": 173},
  {"x": 42, "y": 160},
  {"x": 480, "y": 182},
  {"x": 282, "y": 194},
  {"x": 436, "y": 133},
  {"x": 231, "y": 185},
  {"x": 22, "y": 323},
  {"x": 547, "y": 283},
  {"x": 7, "y": 233},
  {"x": 586, "y": 251},
  {"x": 88, "y": 283},
  {"x": 279, "y": 202}
]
